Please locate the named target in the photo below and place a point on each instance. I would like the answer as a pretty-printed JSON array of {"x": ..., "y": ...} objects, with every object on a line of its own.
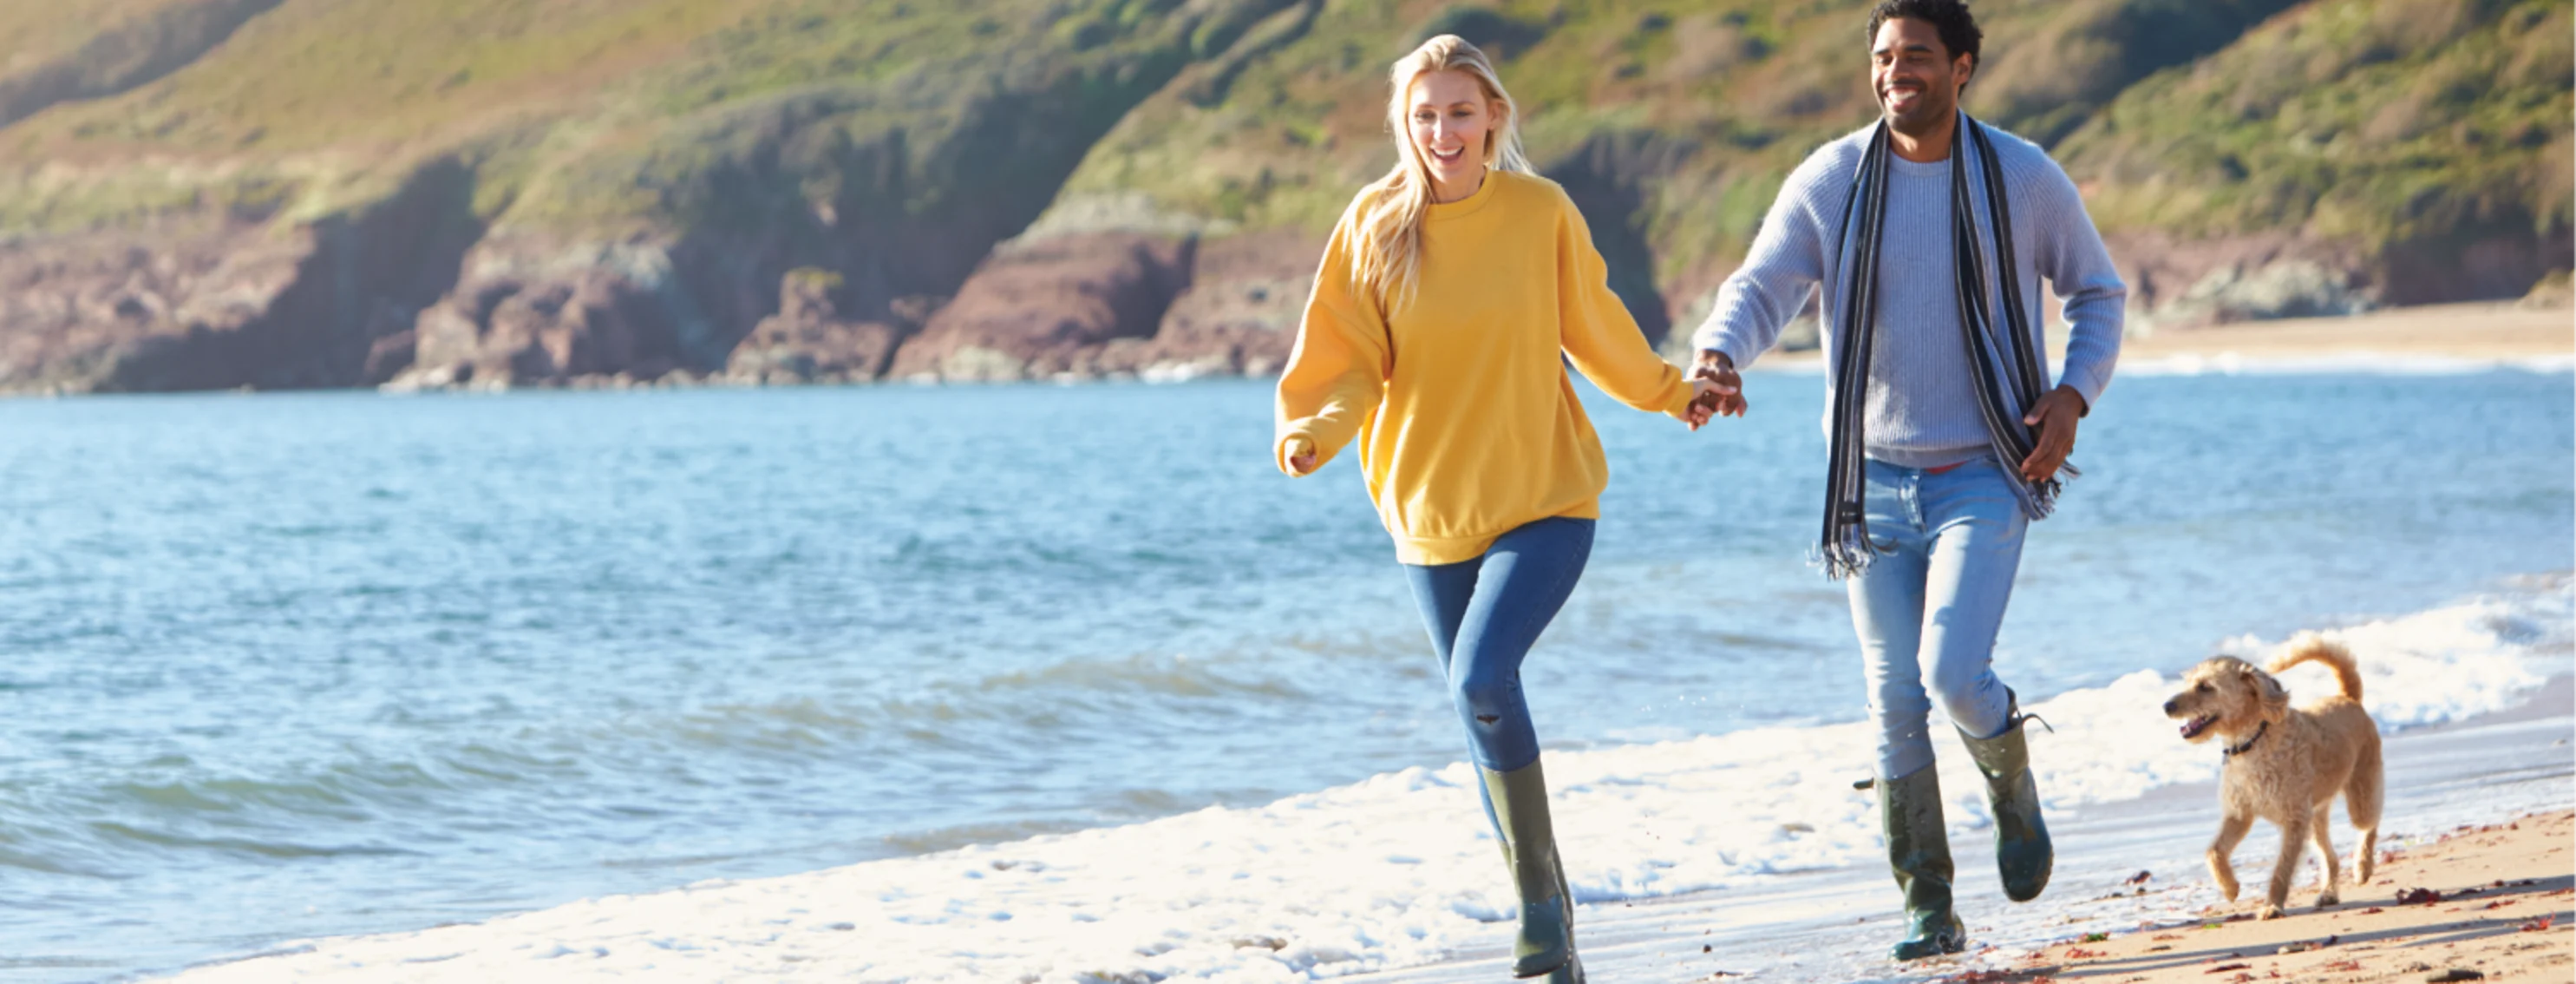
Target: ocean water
[{"x": 290, "y": 666}]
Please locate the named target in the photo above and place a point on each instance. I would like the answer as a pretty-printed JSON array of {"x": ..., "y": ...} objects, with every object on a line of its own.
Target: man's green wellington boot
[
  {"x": 2022, "y": 850},
  {"x": 1918, "y": 849},
  {"x": 1546, "y": 944}
]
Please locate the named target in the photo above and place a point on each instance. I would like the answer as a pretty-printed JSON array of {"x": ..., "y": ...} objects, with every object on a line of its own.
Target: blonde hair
[{"x": 1386, "y": 220}]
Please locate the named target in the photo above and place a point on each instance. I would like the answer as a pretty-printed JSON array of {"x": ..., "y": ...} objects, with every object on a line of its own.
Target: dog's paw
[
  {"x": 2227, "y": 890},
  {"x": 2327, "y": 899},
  {"x": 2269, "y": 912}
]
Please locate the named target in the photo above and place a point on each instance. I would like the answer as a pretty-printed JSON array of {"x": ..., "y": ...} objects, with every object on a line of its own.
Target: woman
[{"x": 1447, "y": 294}]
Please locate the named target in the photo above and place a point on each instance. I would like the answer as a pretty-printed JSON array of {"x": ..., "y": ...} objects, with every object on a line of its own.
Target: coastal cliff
[{"x": 202, "y": 194}]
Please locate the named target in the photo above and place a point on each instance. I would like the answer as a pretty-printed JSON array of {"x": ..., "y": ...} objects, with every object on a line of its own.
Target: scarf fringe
[{"x": 1848, "y": 557}]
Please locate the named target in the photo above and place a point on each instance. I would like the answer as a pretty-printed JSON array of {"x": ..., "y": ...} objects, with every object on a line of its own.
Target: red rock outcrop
[
  {"x": 517, "y": 323},
  {"x": 1239, "y": 315},
  {"x": 216, "y": 302},
  {"x": 808, "y": 341},
  {"x": 1078, "y": 305}
]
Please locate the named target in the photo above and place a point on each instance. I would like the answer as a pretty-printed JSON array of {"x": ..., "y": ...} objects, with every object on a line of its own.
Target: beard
[{"x": 1930, "y": 109}]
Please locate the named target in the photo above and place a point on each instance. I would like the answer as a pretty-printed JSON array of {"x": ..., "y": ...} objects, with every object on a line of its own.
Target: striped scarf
[{"x": 2011, "y": 372}]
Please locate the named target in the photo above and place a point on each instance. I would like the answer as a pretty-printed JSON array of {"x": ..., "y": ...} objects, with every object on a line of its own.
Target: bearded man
[{"x": 1929, "y": 234}]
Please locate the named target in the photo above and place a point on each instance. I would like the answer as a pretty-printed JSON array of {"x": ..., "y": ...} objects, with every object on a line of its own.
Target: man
[{"x": 1929, "y": 234}]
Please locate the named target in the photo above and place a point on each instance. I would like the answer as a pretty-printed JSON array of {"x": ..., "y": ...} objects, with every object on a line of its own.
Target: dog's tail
[{"x": 2309, "y": 647}]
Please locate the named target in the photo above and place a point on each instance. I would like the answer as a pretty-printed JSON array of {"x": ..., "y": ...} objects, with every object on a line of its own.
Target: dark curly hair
[{"x": 1958, "y": 27}]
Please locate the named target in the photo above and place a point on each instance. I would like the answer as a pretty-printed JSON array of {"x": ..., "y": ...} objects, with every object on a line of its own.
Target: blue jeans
[
  {"x": 1484, "y": 614},
  {"x": 1951, "y": 543}
]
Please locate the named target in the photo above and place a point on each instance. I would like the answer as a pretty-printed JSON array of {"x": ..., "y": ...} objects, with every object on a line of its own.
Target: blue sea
[{"x": 282, "y": 666}]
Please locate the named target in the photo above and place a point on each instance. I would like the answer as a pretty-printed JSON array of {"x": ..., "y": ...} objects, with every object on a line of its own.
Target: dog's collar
[{"x": 2236, "y": 750}]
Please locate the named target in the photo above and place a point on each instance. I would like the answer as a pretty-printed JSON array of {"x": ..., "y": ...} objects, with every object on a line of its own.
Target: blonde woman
[{"x": 1447, "y": 294}]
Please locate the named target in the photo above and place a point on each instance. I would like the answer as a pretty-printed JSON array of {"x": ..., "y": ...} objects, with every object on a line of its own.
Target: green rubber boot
[
  {"x": 2022, "y": 849},
  {"x": 1546, "y": 945},
  {"x": 1918, "y": 850}
]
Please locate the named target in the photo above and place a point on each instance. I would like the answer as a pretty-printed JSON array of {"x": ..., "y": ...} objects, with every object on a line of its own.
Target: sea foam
[{"x": 1398, "y": 869}]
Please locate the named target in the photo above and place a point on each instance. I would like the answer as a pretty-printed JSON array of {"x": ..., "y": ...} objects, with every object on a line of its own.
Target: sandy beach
[
  {"x": 2130, "y": 872},
  {"x": 2486, "y": 902},
  {"x": 2428, "y": 338},
  {"x": 2130, "y": 901},
  {"x": 2485, "y": 330}
]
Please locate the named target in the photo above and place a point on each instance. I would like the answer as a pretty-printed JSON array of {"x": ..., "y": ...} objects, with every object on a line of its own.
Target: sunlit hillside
[{"x": 285, "y": 193}]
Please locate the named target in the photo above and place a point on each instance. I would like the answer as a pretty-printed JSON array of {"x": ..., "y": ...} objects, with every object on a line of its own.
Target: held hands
[
  {"x": 2052, "y": 423},
  {"x": 1716, "y": 390},
  {"x": 1705, "y": 395}
]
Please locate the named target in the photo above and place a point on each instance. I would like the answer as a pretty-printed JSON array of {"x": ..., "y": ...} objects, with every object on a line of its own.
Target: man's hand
[
  {"x": 2052, "y": 423},
  {"x": 1726, "y": 396},
  {"x": 1704, "y": 397}
]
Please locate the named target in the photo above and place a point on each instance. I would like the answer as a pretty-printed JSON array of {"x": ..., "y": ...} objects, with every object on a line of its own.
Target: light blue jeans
[{"x": 1950, "y": 544}]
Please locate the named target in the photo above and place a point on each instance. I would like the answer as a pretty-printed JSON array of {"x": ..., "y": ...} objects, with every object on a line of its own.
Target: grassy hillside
[
  {"x": 1686, "y": 115},
  {"x": 335, "y": 100},
  {"x": 893, "y": 142},
  {"x": 2408, "y": 125}
]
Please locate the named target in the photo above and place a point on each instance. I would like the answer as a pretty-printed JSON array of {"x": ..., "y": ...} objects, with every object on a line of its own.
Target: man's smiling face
[{"x": 1916, "y": 78}]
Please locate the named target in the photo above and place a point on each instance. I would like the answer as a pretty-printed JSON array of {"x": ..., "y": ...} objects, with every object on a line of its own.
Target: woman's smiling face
[{"x": 1450, "y": 117}]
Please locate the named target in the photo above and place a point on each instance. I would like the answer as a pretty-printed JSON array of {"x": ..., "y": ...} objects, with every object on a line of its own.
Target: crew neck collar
[{"x": 1468, "y": 205}]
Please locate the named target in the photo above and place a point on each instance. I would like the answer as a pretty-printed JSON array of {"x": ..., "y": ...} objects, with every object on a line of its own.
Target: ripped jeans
[
  {"x": 1952, "y": 544},
  {"x": 1484, "y": 614}
]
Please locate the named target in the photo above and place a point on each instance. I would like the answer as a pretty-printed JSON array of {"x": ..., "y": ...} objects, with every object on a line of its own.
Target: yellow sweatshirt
[{"x": 1468, "y": 425}]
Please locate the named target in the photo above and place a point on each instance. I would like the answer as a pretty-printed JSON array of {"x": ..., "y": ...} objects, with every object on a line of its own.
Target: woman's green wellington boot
[
  {"x": 2022, "y": 850},
  {"x": 1918, "y": 849},
  {"x": 1546, "y": 945}
]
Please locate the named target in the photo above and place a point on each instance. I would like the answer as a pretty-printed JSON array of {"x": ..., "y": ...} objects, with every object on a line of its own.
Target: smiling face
[
  {"x": 1450, "y": 119},
  {"x": 1915, "y": 76},
  {"x": 2225, "y": 696}
]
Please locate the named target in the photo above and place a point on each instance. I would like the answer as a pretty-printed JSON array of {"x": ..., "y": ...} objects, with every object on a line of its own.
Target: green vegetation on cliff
[
  {"x": 2199, "y": 117},
  {"x": 700, "y": 149},
  {"x": 2390, "y": 123},
  {"x": 612, "y": 113}
]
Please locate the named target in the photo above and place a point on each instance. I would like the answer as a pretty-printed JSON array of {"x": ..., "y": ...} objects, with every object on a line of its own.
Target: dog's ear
[{"x": 2274, "y": 697}]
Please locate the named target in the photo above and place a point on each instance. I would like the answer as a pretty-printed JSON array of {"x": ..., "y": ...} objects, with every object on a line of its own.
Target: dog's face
[{"x": 2228, "y": 696}]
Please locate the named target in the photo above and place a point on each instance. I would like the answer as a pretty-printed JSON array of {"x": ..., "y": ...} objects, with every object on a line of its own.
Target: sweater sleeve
[
  {"x": 1778, "y": 275},
  {"x": 1595, "y": 329},
  {"x": 1337, "y": 373},
  {"x": 2080, "y": 272}
]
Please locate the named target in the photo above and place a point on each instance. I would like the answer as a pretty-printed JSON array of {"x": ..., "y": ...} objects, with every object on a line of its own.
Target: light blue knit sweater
[{"x": 1922, "y": 409}]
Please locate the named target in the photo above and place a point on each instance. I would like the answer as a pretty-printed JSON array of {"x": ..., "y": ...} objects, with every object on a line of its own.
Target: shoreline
[
  {"x": 1835, "y": 926},
  {"x": 2464, "y": 337},
  {"x": 2432, "y": 338},
  {"x": 1797, "y": 925}
]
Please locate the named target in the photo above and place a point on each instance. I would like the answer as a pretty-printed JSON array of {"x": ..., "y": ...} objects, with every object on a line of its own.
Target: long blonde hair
[{"x": 1388, "y": 216}]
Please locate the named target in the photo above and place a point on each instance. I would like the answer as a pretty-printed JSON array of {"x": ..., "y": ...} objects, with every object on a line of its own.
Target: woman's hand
[
  {"x": 1715, "y": 367},
  {"x": 1707, "y": 396},
  {"x": 1301, "y": 457}
]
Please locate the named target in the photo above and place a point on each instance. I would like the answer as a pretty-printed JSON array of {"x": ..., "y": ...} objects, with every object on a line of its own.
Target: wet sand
[
  {"x": 1835, "y": 926},
  {"x": 2494, "y": 900}
]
